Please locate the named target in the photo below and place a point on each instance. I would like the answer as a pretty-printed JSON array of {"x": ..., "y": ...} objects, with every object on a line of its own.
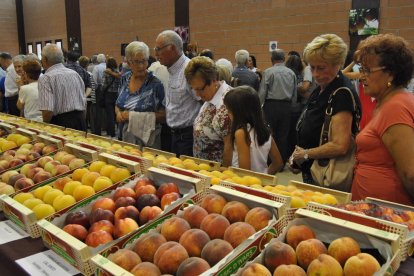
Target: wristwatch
[{"x": 306, "y": 155}]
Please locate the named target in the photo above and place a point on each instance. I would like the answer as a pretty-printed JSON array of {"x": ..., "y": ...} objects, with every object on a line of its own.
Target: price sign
[{"x": 10, "y": 232}]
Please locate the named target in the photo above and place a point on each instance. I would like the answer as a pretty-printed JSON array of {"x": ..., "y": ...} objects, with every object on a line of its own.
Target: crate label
[
  {"x": 10, "y": 232},
  {"x": 46, "y": 263},
  {"x": 239, "y": 261}
]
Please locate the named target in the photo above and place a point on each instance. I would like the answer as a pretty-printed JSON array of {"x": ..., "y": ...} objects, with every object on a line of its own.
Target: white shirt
[
  {"x": 161, "y": 72},
  {"x": 10, "y": 82},
  {"x": 258, "y": 154},
  {"x": 98, "y": 73},
  {"x": 29, "y": 96}
]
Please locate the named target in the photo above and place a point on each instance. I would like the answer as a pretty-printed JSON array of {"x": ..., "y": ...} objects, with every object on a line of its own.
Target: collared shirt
[
  {"x": 10, "y": 82},
  {"x": 161, "y": 72},
  {"x": 246, "y": 77},
  {"x": 211, "y": 126},
  {"x": 278, "y": 83},
  {"x": 61, "y": 90},
  {"x": 98, "y": 73},
  {"x": 82, "y": 73},
  {"x": 149, "y": 98},
  {"x": 181, "y": 103}
]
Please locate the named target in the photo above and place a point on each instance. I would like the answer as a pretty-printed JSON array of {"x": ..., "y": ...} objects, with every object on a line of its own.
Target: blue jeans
[{"x": 182, "y": 141}]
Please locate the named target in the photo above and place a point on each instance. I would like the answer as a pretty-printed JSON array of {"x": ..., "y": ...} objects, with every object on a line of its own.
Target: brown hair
[
  {"x": 83, "y": 61},
  {"x": 111, "y": 63},
  {"x": 394, "y": 54},
  {"x": 32, "y": 68}
]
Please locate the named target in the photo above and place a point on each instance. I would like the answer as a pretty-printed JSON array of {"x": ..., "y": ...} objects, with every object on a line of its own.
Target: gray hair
[
  {"x": 171, "y": 37},
  {"x": 136, "y": 47},
  {"x": 53, "y": 54},
  {"x": 225, "y": 62},
  {"x": 101, "y": 58},
  {"x": 278, "y": 55},
  {"x": 241, "y": 57},
  {"x": 18, "y": 58}
]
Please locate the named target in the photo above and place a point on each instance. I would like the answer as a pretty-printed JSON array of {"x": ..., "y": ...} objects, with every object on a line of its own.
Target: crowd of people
[{"x": 299, "y": 112}]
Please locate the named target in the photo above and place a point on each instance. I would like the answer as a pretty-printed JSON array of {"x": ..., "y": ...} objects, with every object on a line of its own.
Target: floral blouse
[{"x": 211, "y": 125}]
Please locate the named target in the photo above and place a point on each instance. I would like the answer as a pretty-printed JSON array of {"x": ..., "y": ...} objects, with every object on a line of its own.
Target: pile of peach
[
  {"x": 303, "y": 252},
  {"x": 12, "y": 141},
  {"x": 405, "y": 217},
  {"x": 116, "y": 216},
  {"x": 194, "y": 240},
  {"x": 66, "y": 191}
]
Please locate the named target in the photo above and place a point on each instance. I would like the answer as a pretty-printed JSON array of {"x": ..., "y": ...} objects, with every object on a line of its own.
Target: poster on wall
[
  {"x": 73, "y": 44},
  {"x": 272, "y": 46},
  {"x": 183, "y": 32},
  {"x": 363, "y": 21}
]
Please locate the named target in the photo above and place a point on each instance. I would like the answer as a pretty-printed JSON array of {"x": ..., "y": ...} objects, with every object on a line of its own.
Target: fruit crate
[
  {"x": 407, "y": 236},
  {"x": 42, "y": 128},
  {"x": 205, "y": 180},
  {"x": 265, "y": 179},
  {"x": 157, "y": 152},
  {"x": 328, "y": 228},
  {"x": 6, "y": 129},
  {"x": 144, "y": 163},
  {"x": 106, "y": 267},
  {"x": 213, "y": 165},
  {"x": 24, "y": 217},
  {"x": 77, "y": 252}
]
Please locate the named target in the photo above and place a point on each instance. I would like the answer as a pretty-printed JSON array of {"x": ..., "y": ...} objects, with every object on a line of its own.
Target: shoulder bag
[{"x": 336, "y": 173}]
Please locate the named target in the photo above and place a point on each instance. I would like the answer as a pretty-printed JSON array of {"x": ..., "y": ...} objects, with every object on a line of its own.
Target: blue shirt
[{"x": 149, "y": 98}]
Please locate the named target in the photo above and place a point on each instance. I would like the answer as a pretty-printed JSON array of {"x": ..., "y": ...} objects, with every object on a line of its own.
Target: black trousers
[
  {"x": 72, "y": 119},
  {"x": 110, "y": 100},
  {"x": 182, "y": 141},
  {"x": 12, "y": 105},
  {"x": 278, "y": 116}
]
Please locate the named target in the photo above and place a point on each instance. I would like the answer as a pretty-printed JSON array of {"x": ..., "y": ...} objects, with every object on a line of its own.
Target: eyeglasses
[
  {"x": 199, "y": 90},
  {"x": 138, "y": 62},
  {"x": 157, "y": 49},
  {"x": 368, "y": 71}
]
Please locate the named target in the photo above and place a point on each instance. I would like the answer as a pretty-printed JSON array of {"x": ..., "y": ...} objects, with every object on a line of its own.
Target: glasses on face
[
  {"x": 199, "y": 90},
  {"x": 367, "y": 71},
  {"x": 157, "y": 49},
  {"x": 138, "y": 62}
]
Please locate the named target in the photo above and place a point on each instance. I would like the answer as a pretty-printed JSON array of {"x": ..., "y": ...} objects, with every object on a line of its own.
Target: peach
[
  {"x": 255, "y": 269},
  {"x": 76, "y": 163},
  {"x": 148, "y": 213},
  {"x": 63, "y": 201},
  {"x": 50, "y": 165},
  {"x": 48, "y": 149},
  {"x": 194, "y": 215},
  {"x": 213, "y": 203},
  {"x": 6, "y": 176},
  {"x": 78, "y": 217},
  {"x": 297, "y": 233},
  {"x": 147, "y": 200},
  {"x": 143, "y": 181},
  {"x": 79, "y": 173},
  {"x": 41, "y": 176},
  {"x": 104, "y": 203},
  {"x": 192, "y": 266},
  {"x": 215, "y": 225},
  {"x": 24, "y": 169},
  {"x": 238, "y": 232},
  {"x": 50, "y": 196},
  {"x": 89, "y": 178},
  {"x": 343, "y": 248},
  {"x": 43, "y": 210},
  {"x": 119, "y": 174},
  {"x": 40, "y": 192},
  {"x": 32, "y": 202},
  {"x": 102, "y": 183},
  {"x": 33, "y": 171},
  {"x": 173, "y": 228},
  {"x": 309, "y": 250},
  {"x": 126, "y": 212},
  {"x": 44, "y": 160},
  {"x": 325, "y": 265},
  {"x": 76, "y": 230},
  {"x": 278, "y": 253},
  {"x": 61, "y": 182},
  {"x": 22, "y": 197},
  {"x": 59, "y": 169},
  {"x": 97, "y": 238},
  {"x": 16, "y": 161},
  {"x": 146, "y": 269},
  {"x": 124, "y": 226},
  {"x": 215, "y": 250},
  {"x": 14, "y": 178},
  {"x": 169, "y": 256},
  {"x": 81, "y": 192},
  {"x": 125, "y": 258},
  {"x": 362, "y": 264},
  {"x": 168, "y": 199},
  {"x": 104, "y": 225},
  {"x": 147, "y": 245},
  {"x": 124, "y": 201},
  {"x": 96, "y": 166},
  {"x": 235, "y": 211},
  {"x": 106, "y": 170},
  {"x": 258, "y": 217},
  {"x": 70, "y": 187},
  {"x": 291, "y": 270},
  {"x": 123, "y": 192},
  {"x": 193, "y": 241},
  {"x": 167, "y": 188},
  {"x": 58, "y": 156},
  {"x": 67, "y": 158},
  {"x": 23, "y": 183},
  {"x": 147, "y": 189}
]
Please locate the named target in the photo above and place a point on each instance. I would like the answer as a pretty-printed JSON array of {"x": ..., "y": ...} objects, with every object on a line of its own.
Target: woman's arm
[
  {"x": 341, "y": 124},
  {"x": 228, "y": 151},
  {"x": 20, "y": 105},
  {"x": 243, "y": 149},
  {"x": 399, "y": 140},
  {"x": 118, "y": 114},
  {"x": 277, "y": 162},
  {"x": 160, "y": 115},
  {"x": 113, "y": 73},
  {"x": 347, "y": 71}
]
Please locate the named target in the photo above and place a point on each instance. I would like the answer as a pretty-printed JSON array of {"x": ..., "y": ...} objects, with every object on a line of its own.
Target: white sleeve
[{"x": 307, "y": 74}]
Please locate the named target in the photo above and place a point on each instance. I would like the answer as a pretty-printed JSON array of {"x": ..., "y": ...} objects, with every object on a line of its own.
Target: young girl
[{"x": 250, "y": 136}]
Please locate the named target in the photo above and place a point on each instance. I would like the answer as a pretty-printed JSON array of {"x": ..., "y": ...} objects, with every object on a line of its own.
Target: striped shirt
[
  {"x": 181, "y": 105},
  {"x": 61, "y": 90}
]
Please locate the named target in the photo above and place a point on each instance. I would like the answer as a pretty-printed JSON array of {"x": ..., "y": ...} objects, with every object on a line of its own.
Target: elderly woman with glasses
[
  {"x": 212, "y": 125},
  {"x": 385, "y": 147},
  {"x": 139, "y": 108},
  {"x": 326, "y": 56}
]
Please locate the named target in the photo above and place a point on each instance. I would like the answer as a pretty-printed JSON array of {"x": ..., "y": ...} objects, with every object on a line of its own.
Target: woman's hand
[
  {"x": 125, "y": 115},
  {"x": 119, "y": 117}
]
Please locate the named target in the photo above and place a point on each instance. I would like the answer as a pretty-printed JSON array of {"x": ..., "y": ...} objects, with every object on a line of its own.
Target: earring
[{"x": 389, "y": 84}]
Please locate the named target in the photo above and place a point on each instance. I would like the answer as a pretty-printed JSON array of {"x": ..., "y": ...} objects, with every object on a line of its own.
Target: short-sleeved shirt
[
  {"x": 29, "y": 96},
  {"x": 82, "y": 73},
  {"x": 211, "y": 126},
  {"x": 149, "y": 98},
  {"x": 375, "y": 173},
  {"x": 312, "y": 120}
]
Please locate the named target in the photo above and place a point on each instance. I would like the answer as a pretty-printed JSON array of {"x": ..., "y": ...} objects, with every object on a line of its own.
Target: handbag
[{"x": 336, "y": 173}]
